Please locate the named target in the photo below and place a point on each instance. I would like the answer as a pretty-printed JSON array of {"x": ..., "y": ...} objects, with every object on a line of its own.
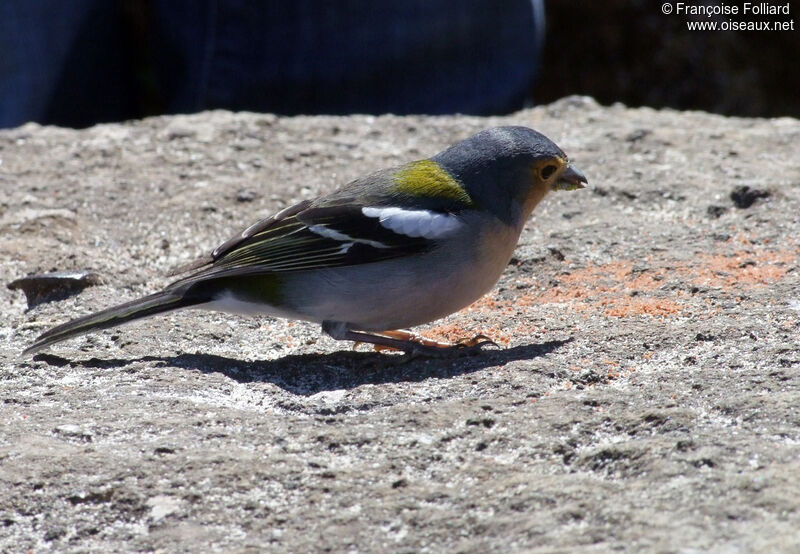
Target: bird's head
[{"x": 508, "y": 170}]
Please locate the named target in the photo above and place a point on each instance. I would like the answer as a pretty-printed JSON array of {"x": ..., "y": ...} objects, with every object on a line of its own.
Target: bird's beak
[{"x": 570, "y": 179}]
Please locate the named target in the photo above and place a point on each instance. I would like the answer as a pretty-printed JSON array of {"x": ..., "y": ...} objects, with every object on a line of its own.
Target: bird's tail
[{"x": 157, "y": 303}]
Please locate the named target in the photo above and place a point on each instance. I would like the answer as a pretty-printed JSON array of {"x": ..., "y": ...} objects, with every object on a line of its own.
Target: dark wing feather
[
  {"x": 259, "y": 227},
  {"x": 285, "y": 242},
  {"x": 241, "y": 239}
]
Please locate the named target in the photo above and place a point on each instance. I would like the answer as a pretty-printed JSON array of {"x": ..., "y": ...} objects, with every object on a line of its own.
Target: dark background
[
  {"x": 81, "y": 62},
  {"x": 629, "y": 52}
]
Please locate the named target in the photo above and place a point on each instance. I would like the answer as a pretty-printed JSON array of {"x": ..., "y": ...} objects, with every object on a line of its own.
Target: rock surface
[{"x": 647, "y": 396}]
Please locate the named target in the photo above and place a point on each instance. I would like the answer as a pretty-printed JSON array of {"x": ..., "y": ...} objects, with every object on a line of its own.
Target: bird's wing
[
  {"x": 310, "y": 236},
  {"x": 351, "y": 226}
]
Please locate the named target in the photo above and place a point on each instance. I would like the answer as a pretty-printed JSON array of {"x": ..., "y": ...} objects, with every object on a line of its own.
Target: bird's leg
[
  {"x": 412, "y": 344},
  {"x": 409, "y": 337},
  {"x": 416, "y": 345}
]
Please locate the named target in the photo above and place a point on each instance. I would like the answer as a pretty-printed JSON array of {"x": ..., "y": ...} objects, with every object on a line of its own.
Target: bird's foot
[{"x": 415, "y": 346}]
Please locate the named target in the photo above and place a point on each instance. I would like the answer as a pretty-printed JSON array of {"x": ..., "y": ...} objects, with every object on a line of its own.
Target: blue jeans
[{"x": 79, "y": 62}]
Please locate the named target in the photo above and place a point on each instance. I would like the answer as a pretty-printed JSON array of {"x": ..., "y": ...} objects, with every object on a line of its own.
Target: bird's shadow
[{"x": 308, "y": 374}]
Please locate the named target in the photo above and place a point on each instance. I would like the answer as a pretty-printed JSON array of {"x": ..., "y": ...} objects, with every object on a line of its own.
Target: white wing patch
[
  {"x": 328, "y": 233},
  {"x": 414, "y": 223}
]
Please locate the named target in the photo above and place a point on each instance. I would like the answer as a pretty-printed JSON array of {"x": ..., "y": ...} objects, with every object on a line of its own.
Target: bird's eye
[{"x": 547, "y": 171}]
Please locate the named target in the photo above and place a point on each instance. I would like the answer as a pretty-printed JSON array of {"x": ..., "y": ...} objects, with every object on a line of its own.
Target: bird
[{"x": 389, "y": 251}]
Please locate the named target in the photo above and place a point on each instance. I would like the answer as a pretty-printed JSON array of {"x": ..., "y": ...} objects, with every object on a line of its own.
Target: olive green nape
[
  {"x": 427, "y": 178},
  {"x": 265, "y": 288}
]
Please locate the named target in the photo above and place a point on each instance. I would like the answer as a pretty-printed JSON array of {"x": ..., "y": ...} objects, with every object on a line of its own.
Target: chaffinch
[{"x": 391, "y": 250}]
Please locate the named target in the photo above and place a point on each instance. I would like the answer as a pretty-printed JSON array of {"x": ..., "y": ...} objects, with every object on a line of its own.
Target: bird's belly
[
  {"x": 399, "y": 293},
  {"x": 230, "y": 303}
]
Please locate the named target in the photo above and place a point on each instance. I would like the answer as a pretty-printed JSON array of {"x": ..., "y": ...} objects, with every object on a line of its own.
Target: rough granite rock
[{"x": 647, "y": 397}]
